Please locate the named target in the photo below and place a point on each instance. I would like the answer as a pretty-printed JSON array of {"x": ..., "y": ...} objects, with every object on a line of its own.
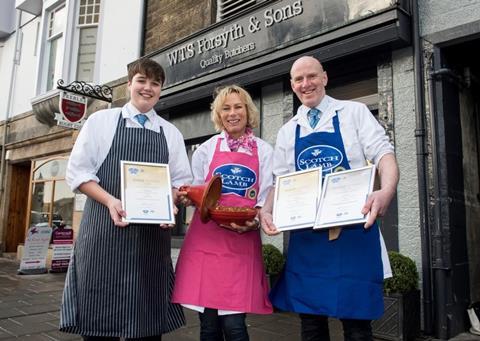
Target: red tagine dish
[{"x": 225, "y": 215}]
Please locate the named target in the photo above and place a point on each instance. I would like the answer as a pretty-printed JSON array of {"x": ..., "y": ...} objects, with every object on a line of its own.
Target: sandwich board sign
[{"x": 34, "y": 259}]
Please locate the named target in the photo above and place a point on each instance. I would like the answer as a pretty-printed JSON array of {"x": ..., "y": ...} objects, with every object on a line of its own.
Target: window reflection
[
  {"x": 51, "y": 169},
  {"x": 51, "y": 201},
  {"x": 41, "y": 202},
  {"x": 62, "y": 205}
]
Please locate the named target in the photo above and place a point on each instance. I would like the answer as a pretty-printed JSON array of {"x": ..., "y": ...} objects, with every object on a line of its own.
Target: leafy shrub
[
  {"x": 273, "y": 259},
  {"x": 405, "y": 275}
]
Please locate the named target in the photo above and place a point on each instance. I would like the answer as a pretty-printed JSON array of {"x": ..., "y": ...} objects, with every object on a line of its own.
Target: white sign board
[{"x": 34, "y": 258}]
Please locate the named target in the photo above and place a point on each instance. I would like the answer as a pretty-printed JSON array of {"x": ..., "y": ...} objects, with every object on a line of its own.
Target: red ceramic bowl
[{"x": 225, "y": 215}]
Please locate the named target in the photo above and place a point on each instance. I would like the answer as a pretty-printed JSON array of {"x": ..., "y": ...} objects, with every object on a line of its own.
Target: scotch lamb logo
[
  {"x": 236, "y": 179},
  {"x": 327, "y": 157}
]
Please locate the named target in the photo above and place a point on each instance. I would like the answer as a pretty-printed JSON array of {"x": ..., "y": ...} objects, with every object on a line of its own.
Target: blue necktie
[
  {"x": 313, "y": 117},
  {"x": 141, "y": 118}
]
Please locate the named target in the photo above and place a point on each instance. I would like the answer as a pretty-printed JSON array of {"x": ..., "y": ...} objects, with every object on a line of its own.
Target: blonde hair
[{"x": 253, "y": 115}]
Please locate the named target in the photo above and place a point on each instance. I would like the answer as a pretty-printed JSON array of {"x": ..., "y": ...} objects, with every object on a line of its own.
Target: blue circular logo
[
  {"x": 327, "y": 157},
  {"x": 236, "y": 178}
]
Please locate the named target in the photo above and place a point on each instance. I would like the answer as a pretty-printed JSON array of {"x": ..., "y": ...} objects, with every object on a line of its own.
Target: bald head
[
  {"x": 308, "y": 80},
  {"x": 310, "y": 61}
]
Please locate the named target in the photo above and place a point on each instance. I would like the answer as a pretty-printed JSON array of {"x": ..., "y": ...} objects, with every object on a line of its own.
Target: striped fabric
[{"x": 120, "y": 280}]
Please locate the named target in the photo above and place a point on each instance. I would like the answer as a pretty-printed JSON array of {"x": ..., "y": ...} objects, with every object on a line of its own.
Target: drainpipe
[
  {"x": 143, "y": 23},
  {"x": 3, "y": 162},
  {"x": 422, "y": 172},
  {"x": 440, "y": 264}
]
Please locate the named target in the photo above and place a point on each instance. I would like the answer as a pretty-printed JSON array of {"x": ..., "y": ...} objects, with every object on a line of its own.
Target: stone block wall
[{"x": 168, "y": 21}]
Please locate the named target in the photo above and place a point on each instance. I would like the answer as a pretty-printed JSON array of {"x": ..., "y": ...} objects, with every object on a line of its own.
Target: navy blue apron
[
  {"x": 342, "y": 278},
  {"x": 120, "y": 279}
]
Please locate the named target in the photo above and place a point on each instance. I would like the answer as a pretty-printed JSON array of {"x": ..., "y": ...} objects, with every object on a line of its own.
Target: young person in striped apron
[
  {"x": 120, "y": 278},
  {"x": 340, "y": 278},
  {"x": 220, "y": 270}
]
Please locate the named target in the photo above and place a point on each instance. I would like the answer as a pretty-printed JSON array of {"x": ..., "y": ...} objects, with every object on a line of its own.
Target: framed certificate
[
  {"x": 343, "y": 196},
  {"x": 296, "y": 199},
  {"x": 146, "y": 193}
]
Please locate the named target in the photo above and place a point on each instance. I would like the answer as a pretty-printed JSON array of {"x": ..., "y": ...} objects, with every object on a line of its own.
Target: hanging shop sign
[
  {"x": 73, "y": 109},
  {"x": 73, "y": 101}
]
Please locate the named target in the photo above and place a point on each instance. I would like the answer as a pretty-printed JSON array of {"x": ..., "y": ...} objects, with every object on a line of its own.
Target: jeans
[
  {"x": 214, "y": 327},
  {"x": 101, "y": 338},
  {"x": 315, "y": 328}
]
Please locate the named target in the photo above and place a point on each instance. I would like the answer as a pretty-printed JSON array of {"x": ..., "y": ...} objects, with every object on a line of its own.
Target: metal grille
[{"x": 228, "y": 8}]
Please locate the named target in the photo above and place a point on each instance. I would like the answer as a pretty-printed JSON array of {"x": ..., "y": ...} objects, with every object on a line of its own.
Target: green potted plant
[
  {"x": 401, "y": 320},
  {"x": 273, "y": 260}
]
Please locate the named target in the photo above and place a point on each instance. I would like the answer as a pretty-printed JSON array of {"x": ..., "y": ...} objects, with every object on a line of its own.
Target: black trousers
[
  {"x": 101, "y": 338},
  {"x": 315, "y": 328},
  {"x": 214, "y": 327}
]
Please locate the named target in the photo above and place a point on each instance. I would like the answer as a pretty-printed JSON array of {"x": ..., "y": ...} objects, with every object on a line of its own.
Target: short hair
[
  {"x": 253, "y": 115},
  {"x": 147, "y": 67}
]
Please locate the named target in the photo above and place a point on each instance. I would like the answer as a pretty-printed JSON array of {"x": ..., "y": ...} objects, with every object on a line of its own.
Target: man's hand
[
  {"x": 266, "y": 220},
  {"x": 116, "y": 211},
  {"x": 377, "y": 204}
]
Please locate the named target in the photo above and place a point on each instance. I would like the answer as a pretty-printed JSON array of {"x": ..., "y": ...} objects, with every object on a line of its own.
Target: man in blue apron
[{"x": 340, "y": 278}]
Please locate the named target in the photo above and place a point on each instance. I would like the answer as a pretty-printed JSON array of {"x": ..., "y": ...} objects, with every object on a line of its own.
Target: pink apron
[{"x": 219, "y": 268}]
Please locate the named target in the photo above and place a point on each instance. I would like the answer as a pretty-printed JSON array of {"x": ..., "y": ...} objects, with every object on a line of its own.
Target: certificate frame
[
  {"x": 335, "y": 212},
  {"x": 146, "y": 193},
  {"x": 288, "y": 213}
]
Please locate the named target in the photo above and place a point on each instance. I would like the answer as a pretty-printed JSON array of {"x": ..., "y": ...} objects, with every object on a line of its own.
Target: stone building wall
[{"x": 168, "y": 21}]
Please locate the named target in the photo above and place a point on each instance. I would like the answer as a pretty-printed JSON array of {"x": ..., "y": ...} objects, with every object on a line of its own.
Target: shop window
[
  {"x": 55, "y": 38},
  {"x": 51, "y": 200},
  {"x": 88, "y": 17},
  {"x": 185, "y": 214},
  {"x": 228, "y": 8}
]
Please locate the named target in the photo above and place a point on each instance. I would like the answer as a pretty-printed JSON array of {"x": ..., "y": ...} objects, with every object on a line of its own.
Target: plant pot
[
  {"x": 401, "y": 320},
  {"x": 272, "y": 279}
]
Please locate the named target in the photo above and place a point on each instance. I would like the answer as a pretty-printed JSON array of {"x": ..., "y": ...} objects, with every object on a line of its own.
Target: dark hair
[{"x": 147, "y": 67}]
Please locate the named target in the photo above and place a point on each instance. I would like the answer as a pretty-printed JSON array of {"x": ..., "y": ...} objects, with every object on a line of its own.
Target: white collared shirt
[
  {"x": 203, "y": 156},
  {"x": 96, "y": 137},
  {"x": 363, "y": 137}
]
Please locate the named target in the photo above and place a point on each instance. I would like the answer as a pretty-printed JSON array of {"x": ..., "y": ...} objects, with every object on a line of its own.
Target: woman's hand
[{"x": 250, "y": 225}]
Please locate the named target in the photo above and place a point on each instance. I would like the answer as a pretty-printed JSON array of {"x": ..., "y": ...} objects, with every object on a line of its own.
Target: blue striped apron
[
  {"x": 120, "y": 280},
  {"x": 341, "y": 278}
]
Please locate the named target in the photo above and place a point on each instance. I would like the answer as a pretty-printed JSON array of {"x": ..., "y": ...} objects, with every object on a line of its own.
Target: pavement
[{"x": 29, "y": 310}]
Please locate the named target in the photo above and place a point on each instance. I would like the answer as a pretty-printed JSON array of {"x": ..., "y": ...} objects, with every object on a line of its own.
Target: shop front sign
[{"x": 263, "y": 31}]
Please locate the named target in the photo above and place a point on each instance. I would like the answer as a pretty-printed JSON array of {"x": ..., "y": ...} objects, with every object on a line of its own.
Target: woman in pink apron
[{"x": 220, "y": 270}]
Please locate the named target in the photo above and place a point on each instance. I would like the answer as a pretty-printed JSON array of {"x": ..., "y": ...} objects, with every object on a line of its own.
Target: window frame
[
  {"x": 36, "y": 165},
  {"x": 68, "y": 47}
]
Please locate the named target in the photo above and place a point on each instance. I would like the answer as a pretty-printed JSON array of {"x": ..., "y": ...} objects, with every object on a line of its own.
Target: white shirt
[
  {"x": 204, "y": 154},
  {"x": 96, "y": 137},
  {"x": 363, "y": 137}
]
